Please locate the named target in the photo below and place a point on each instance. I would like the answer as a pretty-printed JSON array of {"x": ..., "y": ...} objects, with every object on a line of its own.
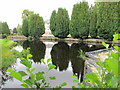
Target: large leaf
[
  {"x": 22, "y": 73},
  {"x": 94, "y": 78},
  {"x": 42, "y": 60},
  {"x": 51, "y": 66},
  {"x": 39, "y": 76},
  {"x": 112, "y": 65},
  {"x": 49, "y": 60},
  {"x": 75, "y": 77},
  {"x": 116, "y": 37},
  {"x": 28, "y": 81},
  {"x": 63, "y": 84},
  {"x": 27, "y": 63},
  {"x": 108, "y": 77},
  {"x": 25, "y": 85},
  {"x": 52, "y": 78},
  {"x": 105, "y": 45},
  {"x": 33, "y": 69},
  {"x": 117, "y": 48},
  {"x": 29, "y": 56},
  {"x": 15, "y": 74},
  {"x": 75, "y": 80},
  {"x": 32, "y": 77}
]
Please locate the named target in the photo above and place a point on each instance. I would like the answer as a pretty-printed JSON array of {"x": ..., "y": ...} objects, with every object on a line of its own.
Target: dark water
[{"x": 65, "y": 56}]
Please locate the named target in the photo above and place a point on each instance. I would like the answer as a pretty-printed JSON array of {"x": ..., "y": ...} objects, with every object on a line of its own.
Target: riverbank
[
  {"x": 93, "y": 57},
  {"x": 52, "y": 38}
]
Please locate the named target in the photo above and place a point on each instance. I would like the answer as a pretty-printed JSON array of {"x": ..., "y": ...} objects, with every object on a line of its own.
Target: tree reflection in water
[
  {"x": 37, "y": 49},
  {"x": 60, "y": 55},
  {"x": 77, "y": 61}
]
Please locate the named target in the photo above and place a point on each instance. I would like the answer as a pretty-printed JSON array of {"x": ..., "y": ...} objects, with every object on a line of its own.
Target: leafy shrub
[
  {"x": 34, "y": 80},
  {"x": 8, "y": 55}
]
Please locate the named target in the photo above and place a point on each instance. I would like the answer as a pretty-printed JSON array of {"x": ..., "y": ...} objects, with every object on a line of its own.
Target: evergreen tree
[
  {"x": 19, "y": 29},
  {"x": 36, "y": 25},
  {"x": 93, "y": 22},
  {"x": 107, "y": 19},
  {"x": 79, "y": 24},
  {"x": 0, "y": 27},
  {"x": 26, "y": 13},
  {"x": 5, "y": 28},
  {"x": 53, "y": 23},
  {"x": 14, "y": 30},
  {"x": 25, "y": 27},
  {"x": 62, "y": 23}
]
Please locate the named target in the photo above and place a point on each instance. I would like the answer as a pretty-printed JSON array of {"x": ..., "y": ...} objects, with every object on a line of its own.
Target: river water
[{"x": 65, "y": 56}]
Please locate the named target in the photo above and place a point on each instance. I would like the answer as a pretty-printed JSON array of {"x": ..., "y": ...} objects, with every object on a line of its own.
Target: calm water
[{"x": 64, "y": 55}]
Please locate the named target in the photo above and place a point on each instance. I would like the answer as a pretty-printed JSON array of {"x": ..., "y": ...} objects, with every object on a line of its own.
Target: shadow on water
[
  {"x": 37, "y": 49},
  {"x": 60, "y": 55},
  {"x": 77, "y": 61}
]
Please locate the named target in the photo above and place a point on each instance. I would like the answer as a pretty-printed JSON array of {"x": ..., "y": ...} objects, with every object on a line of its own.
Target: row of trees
[
  {"x": 33, "y": 24},
  {"x": 101, "y": 20}
]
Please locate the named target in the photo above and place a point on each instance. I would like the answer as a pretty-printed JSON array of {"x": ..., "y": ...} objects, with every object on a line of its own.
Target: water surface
[{"x": 65, "y": 56}]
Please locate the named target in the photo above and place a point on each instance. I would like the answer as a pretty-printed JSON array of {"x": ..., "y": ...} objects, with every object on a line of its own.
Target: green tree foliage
[
  {"x": 62, "y": 23},
  {"x": 26, "y": 13},
  {"x": 93, "y": 22},
  {"x": 36, "y": 25},
  {"x": 0, "y": 27},
  {"x": 79, "y": 23},
  {"x": 107, "y": 19},
  {"x": 25, "y": 27},
  {"x": 53, "y": 23},
  {"x": 19, "y": 29},
  {"x": 14, "y": 30},
  {"x": 5, "y": 28},
  {"x": 59, "y": 23}
]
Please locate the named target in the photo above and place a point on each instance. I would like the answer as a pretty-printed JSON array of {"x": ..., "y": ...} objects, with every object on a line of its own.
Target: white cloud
[{"x": 10, "y": 10}]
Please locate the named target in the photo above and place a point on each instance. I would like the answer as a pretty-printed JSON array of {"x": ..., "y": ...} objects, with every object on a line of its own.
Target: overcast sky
[{"x": 11, "y": 10}]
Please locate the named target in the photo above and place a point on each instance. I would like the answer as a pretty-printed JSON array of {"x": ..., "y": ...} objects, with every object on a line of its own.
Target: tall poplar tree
[
  {"x": 25, "y": 27},
  {"x": 5, "y": 28},
  {"x": 62, "y": 23},
  {"x": 93, "y": 22},
  {"x": 79, "y": 25},
  {"x": 107, "y": 19},
  {"x": 53, "y": 23},
  {"x": 36, "y": 25}
]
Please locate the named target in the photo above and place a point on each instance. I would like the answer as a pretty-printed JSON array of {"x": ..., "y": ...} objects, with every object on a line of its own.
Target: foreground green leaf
[{"x": 15, "y": 74}]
